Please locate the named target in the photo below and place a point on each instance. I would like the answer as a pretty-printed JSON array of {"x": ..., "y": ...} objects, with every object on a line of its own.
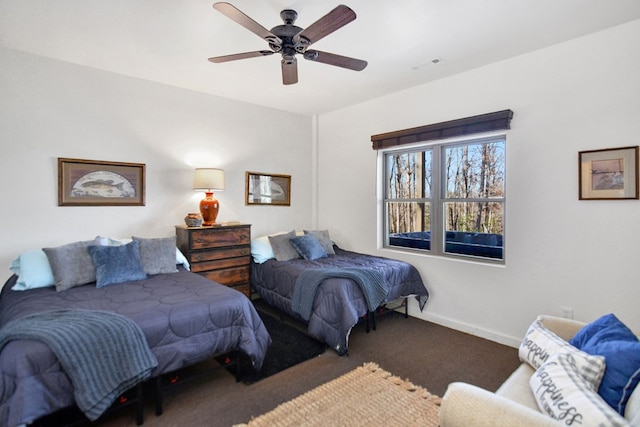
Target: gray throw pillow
[
  {"x": 158, "y": 255},
  {"x": 282, "y": 247},
  {"x": 324, "y": 239},
  {"x": 71, "y": 264},
  {"x": 117, "y": 264}
]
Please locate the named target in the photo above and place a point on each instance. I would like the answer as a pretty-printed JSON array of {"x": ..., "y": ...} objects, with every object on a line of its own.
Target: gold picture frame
[
  {"x": 100, "y": 183},
  {"x": 608, "y": 174},
  {"x": 267, "y": 189}
]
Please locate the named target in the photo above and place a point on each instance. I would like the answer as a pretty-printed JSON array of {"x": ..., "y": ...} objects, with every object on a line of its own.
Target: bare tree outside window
[
  {"x": 465, "y": 183},
  {"x": 409, "y": 184}
]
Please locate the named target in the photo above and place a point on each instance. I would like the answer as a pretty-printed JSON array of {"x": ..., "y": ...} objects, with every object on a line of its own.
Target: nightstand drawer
[
  {"x": 220, "y": 263},
  {"x": 214, "y": 254},
  {"x": 229, "y": 276},
  {"x": 218, "y": 237},
  {"x": 221, "y": 253}
]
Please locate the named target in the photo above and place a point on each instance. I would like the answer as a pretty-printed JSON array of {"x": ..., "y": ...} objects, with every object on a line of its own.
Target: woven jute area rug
[{"x": 366, "y": 396}]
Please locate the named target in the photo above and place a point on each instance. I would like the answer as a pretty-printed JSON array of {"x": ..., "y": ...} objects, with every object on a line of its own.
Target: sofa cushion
[
  {"x": 539, "y": 344},
  {"x": 517, "y": 388},
  {"x": 563, "y": 393},
  {"x": 632, "y": 412},
  {"x": 609, "y": 337}
]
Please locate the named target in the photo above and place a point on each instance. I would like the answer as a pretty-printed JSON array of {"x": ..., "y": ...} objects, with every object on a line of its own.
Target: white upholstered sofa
[{"x": 514, "y": 403}]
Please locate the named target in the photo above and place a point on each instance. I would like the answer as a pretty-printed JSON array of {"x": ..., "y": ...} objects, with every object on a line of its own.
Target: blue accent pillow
[
  {"x": 605, "y": 328},
  {"x": 117, "y": 264},
  {"x": 609, "y": 337},
  {"x": 308, "y": 247}
]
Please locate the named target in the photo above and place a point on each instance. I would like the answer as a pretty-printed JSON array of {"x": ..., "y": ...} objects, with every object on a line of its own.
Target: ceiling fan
[{"x": 289, "y": 39}]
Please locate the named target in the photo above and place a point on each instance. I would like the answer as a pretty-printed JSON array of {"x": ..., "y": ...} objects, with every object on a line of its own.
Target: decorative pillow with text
[
  {"x": 564, "y": 394},
  {"x": 540, "y": 344}
]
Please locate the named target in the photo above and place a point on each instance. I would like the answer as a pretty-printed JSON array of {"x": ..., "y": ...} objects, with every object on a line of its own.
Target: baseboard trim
[{"x": 469, "y": 329}]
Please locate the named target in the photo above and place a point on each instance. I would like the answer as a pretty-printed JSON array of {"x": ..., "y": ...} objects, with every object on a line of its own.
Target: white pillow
[
  {"x": 261, "y": 249},
  {"x": 564, "y": 394},
  {"x": 33, "y": 270},
  {"x": 182, "y": 260},
  {"x": 540, "y": 344}
]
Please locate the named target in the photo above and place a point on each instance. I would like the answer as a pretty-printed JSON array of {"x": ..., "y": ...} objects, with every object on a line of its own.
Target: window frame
[{"x": 438, "y": 200}]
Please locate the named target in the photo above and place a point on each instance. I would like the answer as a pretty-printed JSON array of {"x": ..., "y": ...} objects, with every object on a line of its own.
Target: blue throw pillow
[
  {"x": 308, "y": 247},
  {"x": 609, "y": 337},
  {"x": 605, "y": 328},
  {"x": 117, "y": 264}
]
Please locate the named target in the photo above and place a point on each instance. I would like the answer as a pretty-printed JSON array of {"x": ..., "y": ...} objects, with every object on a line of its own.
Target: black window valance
[{"x": 470, "y": 125}]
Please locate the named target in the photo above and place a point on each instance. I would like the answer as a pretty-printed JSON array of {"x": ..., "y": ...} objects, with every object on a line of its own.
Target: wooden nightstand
[{"x": 220, "y": 253}]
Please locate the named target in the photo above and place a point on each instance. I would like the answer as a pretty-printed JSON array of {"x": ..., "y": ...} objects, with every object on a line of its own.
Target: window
[{"x": 446, "y": 198}]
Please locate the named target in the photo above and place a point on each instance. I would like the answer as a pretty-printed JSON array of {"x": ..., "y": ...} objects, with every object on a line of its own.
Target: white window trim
[{"x": 382, "y": 232}]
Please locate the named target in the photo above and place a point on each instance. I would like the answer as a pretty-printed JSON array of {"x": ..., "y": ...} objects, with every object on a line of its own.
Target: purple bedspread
[
  {"x": 185, "y": 317},
  {"x": 339, "y": 302}
]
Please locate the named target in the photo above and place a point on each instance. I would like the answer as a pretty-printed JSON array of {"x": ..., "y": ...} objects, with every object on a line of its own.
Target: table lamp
[{"x": 208, "y": 180}]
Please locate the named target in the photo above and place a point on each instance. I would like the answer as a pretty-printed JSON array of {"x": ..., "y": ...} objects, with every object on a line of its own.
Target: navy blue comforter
[
  {"x": 338, "y": 302},
  {"x": 185, "y": 318}
]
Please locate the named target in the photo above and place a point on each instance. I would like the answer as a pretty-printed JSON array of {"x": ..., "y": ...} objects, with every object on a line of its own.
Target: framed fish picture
[{"x": 99, "y": 183}]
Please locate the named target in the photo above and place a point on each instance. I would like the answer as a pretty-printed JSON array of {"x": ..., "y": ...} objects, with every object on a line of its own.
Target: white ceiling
[{"x": 169, "y": 41}]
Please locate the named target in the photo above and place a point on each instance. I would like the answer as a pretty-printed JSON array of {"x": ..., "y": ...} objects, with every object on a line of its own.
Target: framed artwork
[
  {"x": 267, "y": 189},
  {"x": 98, "y": 183},
  {"x": 611, "y": 173}
]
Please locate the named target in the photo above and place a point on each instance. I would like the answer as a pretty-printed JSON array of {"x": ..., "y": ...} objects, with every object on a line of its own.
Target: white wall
[
  {"x": 580, "y": 95},
  {"x": 52, "y": 109}
]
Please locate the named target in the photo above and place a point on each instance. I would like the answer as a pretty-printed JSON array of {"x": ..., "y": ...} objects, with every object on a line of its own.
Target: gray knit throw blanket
[
  {"x": 371, "y": 282},
  {"x": 103, "y": 353}
]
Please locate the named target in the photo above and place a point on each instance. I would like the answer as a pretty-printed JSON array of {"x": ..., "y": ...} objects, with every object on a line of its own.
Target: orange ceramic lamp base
[{"x": 209, "y": 207}]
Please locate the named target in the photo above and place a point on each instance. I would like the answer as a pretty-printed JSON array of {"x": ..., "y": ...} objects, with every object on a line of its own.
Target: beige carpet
[{"x": 366, "y": 396}]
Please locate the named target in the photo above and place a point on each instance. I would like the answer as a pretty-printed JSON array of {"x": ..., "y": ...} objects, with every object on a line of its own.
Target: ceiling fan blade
[
  {"x": 337, "y": 18},
  {"x": 337, "y": 60},
  {"x": 236, "y": 56},
  {"x": 289, "y": 71},
  {"x": 233, "y": 13}
]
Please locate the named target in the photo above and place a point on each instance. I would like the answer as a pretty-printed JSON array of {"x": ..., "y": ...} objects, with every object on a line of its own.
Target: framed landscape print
[
  {"x": 267, "y": 189},
  {"x": 99, "y": 183},
  {"x": 610, "y": 173}
]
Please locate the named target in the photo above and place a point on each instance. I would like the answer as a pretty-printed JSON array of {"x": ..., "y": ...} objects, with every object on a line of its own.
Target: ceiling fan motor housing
[{"x": 287, "y": 32}]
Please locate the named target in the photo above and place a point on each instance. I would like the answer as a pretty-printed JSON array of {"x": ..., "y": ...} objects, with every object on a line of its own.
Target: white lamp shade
[{"x": 208, "y": 179}]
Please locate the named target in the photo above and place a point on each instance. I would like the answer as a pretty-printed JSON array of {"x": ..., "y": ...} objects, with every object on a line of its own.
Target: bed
[
  {"x": 185, "y": 319},
  {"x": 338, "y": 302}
]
